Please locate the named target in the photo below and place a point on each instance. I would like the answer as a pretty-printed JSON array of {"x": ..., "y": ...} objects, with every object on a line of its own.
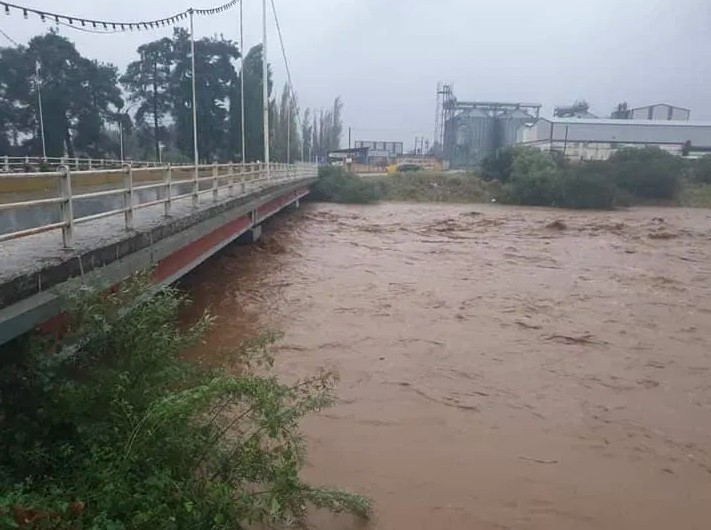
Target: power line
[
  {"x": 112, "y": 26},
  {"x": 288, "y": 70},
  {"x": 9, "y": 38}
]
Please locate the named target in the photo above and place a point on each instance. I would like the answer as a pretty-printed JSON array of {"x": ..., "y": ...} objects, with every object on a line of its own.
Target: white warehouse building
[{"x": 597, "y": 139}]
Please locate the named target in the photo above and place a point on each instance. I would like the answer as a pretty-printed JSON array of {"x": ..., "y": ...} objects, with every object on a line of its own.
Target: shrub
[
  {"x": 538, "y": 188},
  {"x": 646, "y": 173},
  {"x": 114, "y": 431},
  {"x": 499, "y": 165},
  {"x": 335, "y": 184},
  {"x": 587, "y": 187},
  {"x": 700, "y": 170},
  {"x": 540, "y": 179}
]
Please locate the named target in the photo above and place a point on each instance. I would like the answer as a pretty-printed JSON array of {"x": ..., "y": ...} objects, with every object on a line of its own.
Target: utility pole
[
  {"x": 196, "y": 177},
  {"x": 265, "y": 87},
  {"x": 41, "y": 114},
  {"x": 350, "y": 131},
  {"x": 241, "y": 94},
  {"x": 155, "y": 106}
]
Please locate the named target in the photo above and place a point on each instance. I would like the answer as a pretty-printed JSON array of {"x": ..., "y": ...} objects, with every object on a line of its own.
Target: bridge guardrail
[
  {"x": 29, "y": 164},
  {"x": 237, "y": 179}
]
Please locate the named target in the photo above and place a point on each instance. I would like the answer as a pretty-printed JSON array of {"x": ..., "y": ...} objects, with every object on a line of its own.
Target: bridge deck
[{"x": 35, "y": 263}]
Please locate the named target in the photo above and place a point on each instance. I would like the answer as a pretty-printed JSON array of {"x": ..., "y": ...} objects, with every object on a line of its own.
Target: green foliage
[
  {"x": 78, "y": 96},
  {"x": 535, "y": 179},
  {"x": 696, "y": 196},
  {"x": 111, "y": 430},
  {"x": 335, "y": 184},
  {"x": 499, "y": 165},
  {"x": 700, "y": 170},
  {"x": 646, "y": 173},
  {"x": 588, "y": 187},
  {"x": 631, "y": 175},
  {"x": 438, "y": 187},
  {"x": 82, "y": 100}
]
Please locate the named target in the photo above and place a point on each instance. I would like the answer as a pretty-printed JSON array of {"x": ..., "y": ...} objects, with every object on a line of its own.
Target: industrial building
[
  {"x": 658, "y": 112},
  {"x": 466, "y": 132},
  {"x": 469, "y": 131},
  {"x": 381, "y": 153},
  {"x": 597, "y": 139}
]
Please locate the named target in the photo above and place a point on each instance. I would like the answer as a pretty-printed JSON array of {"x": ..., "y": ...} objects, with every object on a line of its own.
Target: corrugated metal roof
[{"x": 647, "y": 123}]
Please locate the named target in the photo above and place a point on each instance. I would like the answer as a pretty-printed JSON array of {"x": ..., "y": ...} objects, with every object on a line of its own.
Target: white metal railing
[
  {"x": 28, "y": 164},
  {"x": 238, "y": 179}
]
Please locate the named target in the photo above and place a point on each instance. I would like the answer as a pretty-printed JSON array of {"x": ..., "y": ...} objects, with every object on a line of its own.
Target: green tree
[
  {"x": 78, "y": 96},
  {"x": 147, "y": 81}
]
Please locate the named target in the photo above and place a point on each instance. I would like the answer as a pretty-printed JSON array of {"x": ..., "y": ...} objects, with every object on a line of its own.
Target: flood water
[{"x": 501, "y": 368}]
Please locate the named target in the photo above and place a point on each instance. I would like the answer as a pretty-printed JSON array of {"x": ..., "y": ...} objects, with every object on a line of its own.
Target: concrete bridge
[{"x": 105, "y": 225}]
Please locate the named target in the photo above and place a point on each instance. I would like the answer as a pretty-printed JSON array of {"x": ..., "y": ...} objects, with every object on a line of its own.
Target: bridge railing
[
  {"x": 137, "y": 188},
  {"x": 30, "y": 164}
]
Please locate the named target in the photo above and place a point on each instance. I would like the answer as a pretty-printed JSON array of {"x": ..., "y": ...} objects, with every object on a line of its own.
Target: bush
[
  {"x": 335, "y": 184},
  {"x": 499, "y": 165},
  {"x": 435, "y": 187},
  {"x": 113, "y": 431},
  {"x": 587, "y": 187},
  {"x": 535, "y": 179},
  {"x": 700, "y": 170},
  {"x": 646, "y": 173}
]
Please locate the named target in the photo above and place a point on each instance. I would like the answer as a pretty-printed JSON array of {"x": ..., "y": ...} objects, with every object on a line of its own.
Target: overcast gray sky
[{"x": 385, "y": 57}]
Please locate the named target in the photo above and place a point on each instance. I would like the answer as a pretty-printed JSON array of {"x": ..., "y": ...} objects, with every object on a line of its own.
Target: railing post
[
  {"x": 215, "y": 181},
  {"x": 128, "y": 196},
  {"x": 231, "y": 185},
  {"x": 6, "y": 164},
  {"x": 196, "y": 187},
  {"x": 168, "y": 181},
  {"x": 243, "y": 178},
  {"x": 66, "y": 207},
  {"x": 76, "y": 163}
]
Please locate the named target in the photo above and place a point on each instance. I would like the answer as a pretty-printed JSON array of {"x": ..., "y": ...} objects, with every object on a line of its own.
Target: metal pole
[
  {"x": 121, "y": 136},
  {"x": 288, "y": 132},
  {"x": 196, "y": 177},
  {"x": 41, "y": 115},
  {"x": 241, "y": 94},
  {"x": 565, "y": 143},
  {"x": 265, "y": 87}
]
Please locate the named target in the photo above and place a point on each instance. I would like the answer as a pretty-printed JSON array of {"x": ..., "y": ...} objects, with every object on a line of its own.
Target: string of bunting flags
[{"x": 111, "y": 26}]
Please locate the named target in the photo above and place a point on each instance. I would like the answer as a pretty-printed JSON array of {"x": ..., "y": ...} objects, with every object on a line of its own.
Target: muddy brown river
[{"x": 501, "y": 368}]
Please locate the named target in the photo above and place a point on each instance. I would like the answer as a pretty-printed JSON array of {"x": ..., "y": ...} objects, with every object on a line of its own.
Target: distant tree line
[{"x": 84, "y": 102}]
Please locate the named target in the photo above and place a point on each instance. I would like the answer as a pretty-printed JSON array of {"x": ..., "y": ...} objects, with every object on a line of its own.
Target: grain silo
[
  {"x": 507, "y": 125},
  {"x": 472, "y": 130}
]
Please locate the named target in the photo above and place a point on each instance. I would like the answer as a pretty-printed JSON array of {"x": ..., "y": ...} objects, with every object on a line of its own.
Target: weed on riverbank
[{"x": 112, "y": 430}]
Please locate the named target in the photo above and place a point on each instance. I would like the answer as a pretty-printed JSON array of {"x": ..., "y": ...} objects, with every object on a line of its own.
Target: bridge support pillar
[{"x": 250, "y": 236}]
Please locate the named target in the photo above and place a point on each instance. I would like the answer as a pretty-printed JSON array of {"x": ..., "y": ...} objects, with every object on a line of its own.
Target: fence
[
  {"x": 28, "y": 164},
  {"x": 237, "y": 179}
]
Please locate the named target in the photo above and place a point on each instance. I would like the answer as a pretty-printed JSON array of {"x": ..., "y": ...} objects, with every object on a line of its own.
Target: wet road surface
[{"x": 501, "y": 368}]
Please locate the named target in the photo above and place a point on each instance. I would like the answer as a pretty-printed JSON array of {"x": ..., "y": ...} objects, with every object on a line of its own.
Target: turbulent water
[{"x": 500, "y": 368}]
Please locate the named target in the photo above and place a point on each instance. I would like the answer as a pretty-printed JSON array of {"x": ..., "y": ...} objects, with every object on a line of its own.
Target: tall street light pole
[
  {"x": 241, "y": 91},
  {"x": 265, "y": 87},
  {"x": 196, "y": 177},
  {"x": 41, "y": 114}
]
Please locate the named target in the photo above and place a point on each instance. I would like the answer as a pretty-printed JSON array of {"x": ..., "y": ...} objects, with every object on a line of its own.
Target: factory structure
[{"x": 466, "y": 132}]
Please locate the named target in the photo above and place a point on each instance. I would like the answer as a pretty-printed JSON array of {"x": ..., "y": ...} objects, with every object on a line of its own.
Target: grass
[
  {"x": 695, "y": 195},
  {"x": 437, "y": 187}
]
